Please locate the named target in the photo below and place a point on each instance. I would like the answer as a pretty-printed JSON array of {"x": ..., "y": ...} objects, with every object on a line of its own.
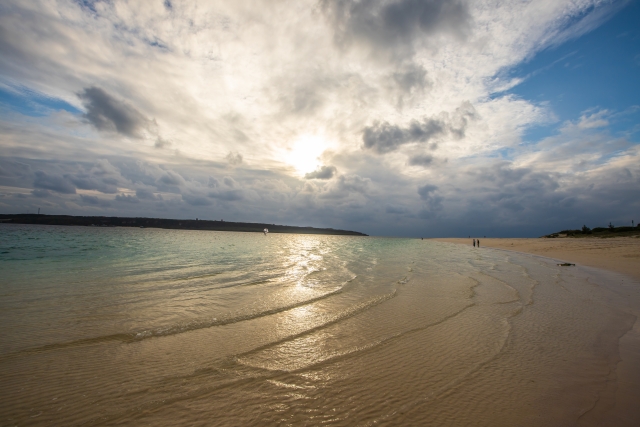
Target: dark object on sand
[{"x": 566, "y": 264}]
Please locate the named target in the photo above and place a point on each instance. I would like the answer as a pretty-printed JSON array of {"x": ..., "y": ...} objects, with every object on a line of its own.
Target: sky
[{"x": 416, "y": 118}]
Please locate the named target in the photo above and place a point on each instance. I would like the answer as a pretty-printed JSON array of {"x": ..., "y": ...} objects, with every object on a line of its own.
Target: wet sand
[
  {"x": 621, "y": 255},
  {"x": 135, "y": 327}
]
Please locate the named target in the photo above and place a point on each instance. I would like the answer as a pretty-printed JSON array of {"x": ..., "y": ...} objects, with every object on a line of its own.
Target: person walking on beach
[
  {"x": 474, "y": 243},
  {"x": 478, "y": 242}
]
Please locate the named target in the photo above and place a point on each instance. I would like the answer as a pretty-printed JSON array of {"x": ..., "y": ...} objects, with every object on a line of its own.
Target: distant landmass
[
  {"x": 177, "y": 224},
  {"x": 609, "y": 231}
]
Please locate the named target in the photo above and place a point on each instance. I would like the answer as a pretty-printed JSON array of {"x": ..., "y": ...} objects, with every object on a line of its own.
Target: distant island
[
  {"x": 609, "y": 231},
  {"x": 176, "y": 224}
]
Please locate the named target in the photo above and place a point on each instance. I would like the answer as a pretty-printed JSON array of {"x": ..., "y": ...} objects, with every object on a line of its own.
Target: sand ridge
[{"x": 619, "y": 254}]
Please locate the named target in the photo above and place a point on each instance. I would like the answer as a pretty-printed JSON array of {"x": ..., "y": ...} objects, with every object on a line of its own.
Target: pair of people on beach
[{"x": 476, "y": 241}]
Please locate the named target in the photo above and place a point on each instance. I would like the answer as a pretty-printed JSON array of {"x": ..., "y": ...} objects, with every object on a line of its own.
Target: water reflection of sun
[{"x": 302, "y": 261}]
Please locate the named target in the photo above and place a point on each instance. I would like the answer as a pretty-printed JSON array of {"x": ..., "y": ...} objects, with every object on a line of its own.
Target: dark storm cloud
[
  {"x": 227, "y": 195},
  {"x": 15, "y": 174},
  {"x": 353, "y": 183},
  {"x": 107, "y": 113},
  {"x": 426, "y": 191},
  {"x": 421, "y": 160},
  {"x": 412, "y": 77},
  {"x": 227, "y": 189},
  {"x": 88, "y": 182},
  {"x": 40, "y": 193},
  {"x": 127, "y": 198},
  {"x": 346, "y": 185},
  {"x": 325, "y": 172},
  {"x": 396, "y": 210},
  {"x": 195, "y": 200},
  {"x": 514, "y": 181},
  {"x": 55, "y": 182},
  {"x": 390, "y": 24},
  {"x": 533, "y": 189},
  {"x": 94, "y": 201},
  {"x": 143, "y": 194},
  {"x": 385, "y": 137},
  {"x": 172, "y": 179},
  {"x": 91, "y": 200},
  {"x": 432, "y": 201}
]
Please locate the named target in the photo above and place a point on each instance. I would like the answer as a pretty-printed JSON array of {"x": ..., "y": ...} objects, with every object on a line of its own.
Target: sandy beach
[
  {"x": 109, "y": 326},
  {"x": 621, "y": 255}
]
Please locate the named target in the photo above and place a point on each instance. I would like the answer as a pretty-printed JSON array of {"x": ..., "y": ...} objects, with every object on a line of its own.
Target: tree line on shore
[{"x": 610, "y": 231}]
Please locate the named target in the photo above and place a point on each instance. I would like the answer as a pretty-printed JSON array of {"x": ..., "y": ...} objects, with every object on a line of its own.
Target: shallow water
[{"x": 125, "y": 326}]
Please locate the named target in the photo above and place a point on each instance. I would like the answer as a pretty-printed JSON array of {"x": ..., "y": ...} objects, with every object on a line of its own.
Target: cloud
[
  {"x": 102, "y": 176},
  {"x": 594, "y": 120},
  {"x": 162, "y": 143},
  {"x": 195, "y": 200},
  {"x": 420, "y": 160},
  {"x": 325, "y": 172},
  {"x": 95, "y": 201},
  {"x": 55, "y": 182},
  {"x": 384, "y": 137},
  {"x": 345, "y": 186},
  {"x": 353, "y": 183},
  {"x": 389, "y": 88},
  {"x": 396, "y": 210},
  {"x": 126, "y": 198},
  {"x": 227, "y": 195},
  {"x": 230, "y": 182},
  {"x": 41, "y": 193},
  {"x": 87, "y": 182},
  {"x": 234, "y": 158},
  {"x": 413, "y": 77},
  {"x": 106, "y": 113},
  {"x": 144, "y": 194},
  {"x": 426, "y": 191},
  {"x": 432, "y": 201},
  {"x": 395, "y": 26},
  {"x": 227, "y": 189},
  {"x": 172, "y": 179}
]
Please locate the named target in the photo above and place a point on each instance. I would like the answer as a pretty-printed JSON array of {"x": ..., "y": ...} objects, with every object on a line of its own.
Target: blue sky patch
[
  {"x": 599, "y": 70},
  {"x": 31, "y": 103}
]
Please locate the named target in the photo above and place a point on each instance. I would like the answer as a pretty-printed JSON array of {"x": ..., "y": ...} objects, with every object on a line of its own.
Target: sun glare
[{"x": 305, "y": 154}]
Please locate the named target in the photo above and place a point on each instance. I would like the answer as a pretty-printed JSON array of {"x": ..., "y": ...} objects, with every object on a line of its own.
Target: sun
[{"x": 305, "y": 154}]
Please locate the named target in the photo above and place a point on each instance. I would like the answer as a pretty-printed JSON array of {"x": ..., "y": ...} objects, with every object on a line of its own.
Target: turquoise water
[
  {"x": 130, "y": 283},
  {"x": 129, "y": 326}
]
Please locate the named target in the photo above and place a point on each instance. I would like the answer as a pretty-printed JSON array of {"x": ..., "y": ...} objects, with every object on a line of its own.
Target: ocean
[{"x": 127, "y": 326}]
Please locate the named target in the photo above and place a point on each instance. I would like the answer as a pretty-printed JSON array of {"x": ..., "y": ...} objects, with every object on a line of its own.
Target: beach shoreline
[
  {"x": 610, "y": 254},
  {"x": 169, "y": 327},
  {"x": 618, "y": 254}
]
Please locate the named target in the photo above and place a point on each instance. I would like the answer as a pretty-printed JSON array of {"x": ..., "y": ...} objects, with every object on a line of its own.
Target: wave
[
  {"x": 356, "y": 350},
  {"x": 166, "y": 331},
  {"x": 346, "y": 314}
]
